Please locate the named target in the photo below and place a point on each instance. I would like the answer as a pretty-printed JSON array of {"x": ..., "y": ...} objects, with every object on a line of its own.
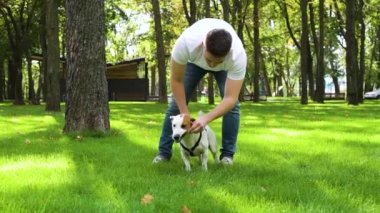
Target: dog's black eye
[
  {"x": 183, "y": 126},
  {"x": 173, "y": 125}
]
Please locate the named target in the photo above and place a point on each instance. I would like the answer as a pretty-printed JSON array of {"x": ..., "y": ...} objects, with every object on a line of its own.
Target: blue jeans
[{"x": 231, "y": 120}]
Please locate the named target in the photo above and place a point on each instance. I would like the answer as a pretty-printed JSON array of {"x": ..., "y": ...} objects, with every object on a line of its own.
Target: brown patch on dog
[{"x": 187, "y": 121}]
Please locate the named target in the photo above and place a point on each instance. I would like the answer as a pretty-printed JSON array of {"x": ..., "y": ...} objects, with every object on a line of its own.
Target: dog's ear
[
  {"x": 187, "y": 121},
  {"x": 192, "y": 120}
]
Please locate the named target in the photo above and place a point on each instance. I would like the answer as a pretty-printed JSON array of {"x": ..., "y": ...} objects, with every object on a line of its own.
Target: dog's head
[{"x": 180, "y": 124}]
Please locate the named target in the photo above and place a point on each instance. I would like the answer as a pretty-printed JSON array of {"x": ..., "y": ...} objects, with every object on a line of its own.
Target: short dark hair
[{"x": 218, "y": 42}]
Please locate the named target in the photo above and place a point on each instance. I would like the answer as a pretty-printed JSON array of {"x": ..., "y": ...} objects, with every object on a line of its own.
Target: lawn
[{"x": 290, "y": 158}]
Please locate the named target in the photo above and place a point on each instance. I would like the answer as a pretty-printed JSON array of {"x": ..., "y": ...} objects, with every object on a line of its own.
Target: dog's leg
[
  {"x": 213, "y": 149},
  {"x": 212, "y": 144},
  {"x": 204, "y": 160},
  {"x": 186, "y": 160}
]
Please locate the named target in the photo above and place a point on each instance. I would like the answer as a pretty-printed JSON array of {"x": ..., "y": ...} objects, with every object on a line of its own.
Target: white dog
[{"x": 193, "y": 144}]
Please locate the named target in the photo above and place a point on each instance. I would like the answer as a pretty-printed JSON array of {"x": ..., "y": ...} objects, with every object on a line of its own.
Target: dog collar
[{"x": 191, "y": 151}]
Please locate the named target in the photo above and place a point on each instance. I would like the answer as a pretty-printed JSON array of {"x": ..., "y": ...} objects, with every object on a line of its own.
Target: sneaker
[
  {"x": 227, "y": 161},
  {"x": 159, "y": 159}
]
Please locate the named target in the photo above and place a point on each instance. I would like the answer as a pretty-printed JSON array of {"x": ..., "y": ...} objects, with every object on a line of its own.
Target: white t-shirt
[{"x": 189, "y": 48}]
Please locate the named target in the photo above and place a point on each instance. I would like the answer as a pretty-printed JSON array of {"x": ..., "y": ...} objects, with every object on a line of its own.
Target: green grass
[{"x": 290, "y": 158}]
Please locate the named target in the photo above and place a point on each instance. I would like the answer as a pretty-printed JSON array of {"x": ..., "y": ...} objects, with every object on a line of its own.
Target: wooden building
[{"x": 127, "y": 80}]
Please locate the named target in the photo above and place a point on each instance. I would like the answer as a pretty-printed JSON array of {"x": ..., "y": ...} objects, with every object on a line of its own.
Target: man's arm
[
  {"x": 231, "y": 95},
  {"x": 178, "y": 89}
]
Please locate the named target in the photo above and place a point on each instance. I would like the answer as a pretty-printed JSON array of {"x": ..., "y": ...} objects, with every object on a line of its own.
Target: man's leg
[
  {"x": 231, "y": 121},
  {"x": 193, "y": 75}
]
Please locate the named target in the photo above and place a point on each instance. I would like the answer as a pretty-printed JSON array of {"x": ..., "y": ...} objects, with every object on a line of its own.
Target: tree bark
[
  {"x": 351, "y": 53},
  {"x": 43, "y": 67},
  {"x": 361, "y": 70},
  {"x": 304, "y": 53},
  {"x": 153, "y": 81},
  {"x": 87, "y": 93},
  {"x": 18, "y": 94},
  {"x": 160, "y": 52},
  {"x": 31, "y": 92},
  {"x": 191, "y": 16},
  {"x": 320, "y": 81},
  {"x": 2, "y": 80},
  {"x": 310, "y": 74},
  {"x": 226, "y": 10},
  {"x": 52, "y": 37},
  {"x": 11, "y": 79},
  {"x": 257, "y": 52}
]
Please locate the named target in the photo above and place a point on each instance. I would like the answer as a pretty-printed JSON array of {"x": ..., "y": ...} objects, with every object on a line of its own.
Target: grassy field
[{"x": 291, "y": 158}]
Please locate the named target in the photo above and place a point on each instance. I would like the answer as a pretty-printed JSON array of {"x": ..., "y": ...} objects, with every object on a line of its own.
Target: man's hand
[{"x": 198, "y": 125}]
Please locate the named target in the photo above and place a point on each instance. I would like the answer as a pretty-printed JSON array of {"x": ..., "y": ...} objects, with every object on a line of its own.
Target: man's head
[{"x": 218, "y": 45}]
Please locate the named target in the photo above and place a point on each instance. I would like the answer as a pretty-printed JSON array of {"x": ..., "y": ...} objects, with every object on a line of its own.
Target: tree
[
  {"x": 2, "y": 79},
  {"x": 52, "y": 36},
  {"x": 361, "y": 70},
  {"x": 351, "y": 53},
  {"x": 257, "y": 50},
  {"x": 160, "y": 52},
  {"x": 3, "y": 56},
  {"x": 304, "y": 51},
  {"x": 191, "y": 16},
  {"x": 87, "y": 102},
  {"x": 18, "y": 24},
  {"x": 320, "y": 82}
]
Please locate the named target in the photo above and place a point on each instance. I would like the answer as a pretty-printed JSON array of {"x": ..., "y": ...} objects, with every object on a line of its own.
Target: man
[{"x": 209, "y": 45}]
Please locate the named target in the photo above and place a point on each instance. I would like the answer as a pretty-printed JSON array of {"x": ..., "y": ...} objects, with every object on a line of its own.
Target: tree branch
[{"x": 286, "y": 15}]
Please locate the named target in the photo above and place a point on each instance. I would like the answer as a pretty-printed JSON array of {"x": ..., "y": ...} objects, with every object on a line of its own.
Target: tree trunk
[
  {"x": 226, "y": 10},
  {"x": 304, "y": 53},
  {"x": 43, "y": 68},
  {"x": 320, "y": 81},
  {"x": 268, "y": 91},
  {"x": 160, "y": 52},
  {"x": 191, "y": 16},
  {"x": 351, "y": 53},
  {"x": 286, "y": 15},
  {"x": 87, "y": 95},
  {"x": 361, "y": 70},
  {"x": 2, "y": 80},
  {"x": 257, "y": 52},
  {"x": 210, "y": 89},
  {"x": 32, "y": 94},
  {"x": 153, "y": 81},
  {"x": 312, "y": 90},
  {"x": 19, "y": 97},
  {"x": 11, "y": 79},
  {"x": 52, "y": 37},
  {"x": 336, "y": 84}
]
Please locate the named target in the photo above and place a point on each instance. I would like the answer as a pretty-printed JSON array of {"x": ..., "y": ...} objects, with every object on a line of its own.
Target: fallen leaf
[
  {"x": 185, "y": 209},
  {"x": 148, "y": 198},
  {"x": 192, "y": 183},
  {"x": 27, "y": 141},
  {"x": 263, "y": 189}
]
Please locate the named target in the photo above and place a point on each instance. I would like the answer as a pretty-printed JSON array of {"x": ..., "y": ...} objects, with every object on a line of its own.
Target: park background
[{"x": 73, "y": 137}]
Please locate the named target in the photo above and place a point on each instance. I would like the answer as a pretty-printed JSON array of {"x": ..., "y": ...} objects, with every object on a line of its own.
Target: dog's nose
[{"x": 176, "y": 137}]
